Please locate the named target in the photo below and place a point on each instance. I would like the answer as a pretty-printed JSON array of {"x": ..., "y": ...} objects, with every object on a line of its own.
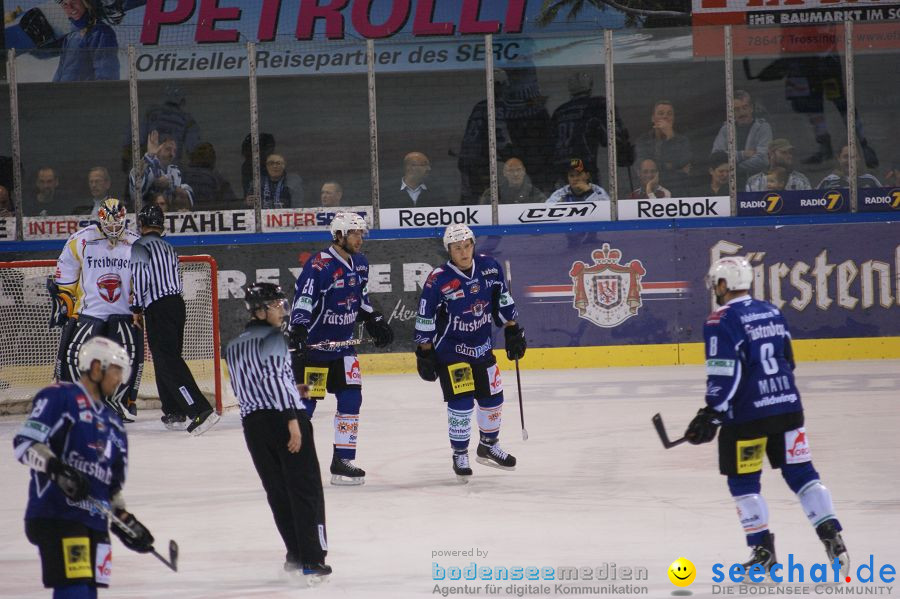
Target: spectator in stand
[
  {"x": 331, "y": 194},
  {"x": 718, "y": 176},
  {"x": 776, "y": 179},
  {"x": 580, "y": 188},
  {"x": 211, "y": 190},
  {"x": 279, "y": 188},
  {"x": 160, "y": 173},
  {"x": 99, "y": 184},
  {"x": 648, "y": 173},
  {"x": 6, "y": 204},
  {"x": 90, "y": 51},
  {"x": 266, "y": 147},
  {"x": 47, "y": 202},
  {"x": 752, "y": 137},
  {"x": 157, "y": 198},
  {"x": 781, "y": 154},
  {"x": 169, "y": 118},
  {"x": 515, "y": 186},
  {"x": 413, "y": 191},
  {"x": 670, "y": 151},
  {"x": 579, "y": 127},
  {"x": 840, "y": 176}
]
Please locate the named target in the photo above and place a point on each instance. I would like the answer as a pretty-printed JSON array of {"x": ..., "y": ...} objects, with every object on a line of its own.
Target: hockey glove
[
  {"x": 515, "y": 342},
  {"x": 426, "y": 364},
  {"x": 60, "y": 303},
  {"x": 703, "y": 427},
  {"x": 297, "y": 335},
  {"x": 139, "y": 539},
  {"x": 73, "y": 483},
  {"x": 379, "y": 329}
]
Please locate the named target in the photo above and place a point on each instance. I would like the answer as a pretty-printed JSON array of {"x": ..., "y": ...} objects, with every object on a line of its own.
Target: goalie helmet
[
  {"x": 111, "y": 219},
  {"x": 151, "y": 215},
  {"x": 259, "y": 295},
  {"x": 736, "y": 271},
  {"x": 107, "y": 352},
  {"x": 455, "y": 233},
  {"x": 344, "y": 222}
]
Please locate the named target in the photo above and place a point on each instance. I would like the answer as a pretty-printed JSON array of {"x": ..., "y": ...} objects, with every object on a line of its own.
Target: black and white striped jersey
[
  {"x": 154, "y": 270},
  {"x": 260, "y": 369}
]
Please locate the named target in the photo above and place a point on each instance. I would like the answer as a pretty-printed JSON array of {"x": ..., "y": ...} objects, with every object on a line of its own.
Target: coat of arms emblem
[{"x": 607, "y": 292}]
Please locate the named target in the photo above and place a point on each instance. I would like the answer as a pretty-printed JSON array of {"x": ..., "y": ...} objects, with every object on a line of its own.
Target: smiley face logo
[{"x": 682, "y": 572}]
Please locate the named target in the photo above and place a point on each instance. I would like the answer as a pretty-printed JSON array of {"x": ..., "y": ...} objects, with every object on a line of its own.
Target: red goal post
[{"x": 28, "y": 347}]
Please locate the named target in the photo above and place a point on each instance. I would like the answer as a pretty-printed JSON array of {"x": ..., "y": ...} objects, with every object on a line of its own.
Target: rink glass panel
[
  {"x": 210, "y": 118},
  {"x": 320, "y": 124},
  {"x": 656, "y": 65},
  {"x": 427, "y": 111},
  {"x": 70, "y": 127}
]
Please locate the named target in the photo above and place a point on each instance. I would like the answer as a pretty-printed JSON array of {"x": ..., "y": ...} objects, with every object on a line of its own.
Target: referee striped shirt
[
  {"x": 154, "y": 270},
  {"x": 260, "y": 369}
]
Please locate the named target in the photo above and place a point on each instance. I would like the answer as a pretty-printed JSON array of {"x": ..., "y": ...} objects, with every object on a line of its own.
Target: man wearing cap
[
  {"x": 781, "y": 154},
  {"x": 580, "y": 188}
]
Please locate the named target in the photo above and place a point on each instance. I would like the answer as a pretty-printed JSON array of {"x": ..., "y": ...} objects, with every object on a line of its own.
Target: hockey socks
[
  {"x": 459, "y": 423},
  {"x": 754, "y": 515},
  {"x": 346, "y": 427},
  {"x": 816, "y": 502}
]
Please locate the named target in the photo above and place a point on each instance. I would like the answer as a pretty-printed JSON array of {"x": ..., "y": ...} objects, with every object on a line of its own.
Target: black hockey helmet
[
  {"x": 258, "y": 295},
  {"x": 151, "y": 215}
]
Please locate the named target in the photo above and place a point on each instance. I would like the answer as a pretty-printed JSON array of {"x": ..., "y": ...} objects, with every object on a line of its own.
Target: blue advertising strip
[
  {"x": 785, "y": 202},
  {"x": 879, "y": 199}
]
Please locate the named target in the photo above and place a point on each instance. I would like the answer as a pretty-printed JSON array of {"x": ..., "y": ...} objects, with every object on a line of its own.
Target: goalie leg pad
[
  {"x": 83, "y": 329},
  {"x": 122, "y": 331},
  {"x": 459, "y": 421},
  {"x": 490, "y": 412}
]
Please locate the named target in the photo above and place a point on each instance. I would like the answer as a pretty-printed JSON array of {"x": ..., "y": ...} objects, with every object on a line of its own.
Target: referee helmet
[
  {"x": 151, "y": 215},
  {"x": 258, "y": 296}
]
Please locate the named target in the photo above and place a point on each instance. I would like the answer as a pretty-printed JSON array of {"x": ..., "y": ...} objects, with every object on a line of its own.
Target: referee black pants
[
  {"x": 292, "y": 482},
  {"x": 178, "y": 391}
]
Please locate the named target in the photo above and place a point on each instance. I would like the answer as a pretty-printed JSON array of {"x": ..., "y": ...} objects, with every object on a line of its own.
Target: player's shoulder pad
[
  {"x": 273, "y": 344},
  {"x": 433, "y": 277},
  {"x": 321, "y": 261},
  {"x": 717, "y": 315},
  {"x": 487, "y": 265}
]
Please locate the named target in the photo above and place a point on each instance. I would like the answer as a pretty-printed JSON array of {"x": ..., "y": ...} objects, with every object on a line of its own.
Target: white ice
[{"x": 594, "y": 486}]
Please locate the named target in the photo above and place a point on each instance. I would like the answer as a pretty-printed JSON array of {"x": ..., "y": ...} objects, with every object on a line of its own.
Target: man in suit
[{"x": 413, "y": 192}]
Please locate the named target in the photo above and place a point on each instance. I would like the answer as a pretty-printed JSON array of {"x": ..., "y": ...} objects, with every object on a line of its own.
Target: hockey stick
[
  {"x": 334, "y": 344},
  {"x": 172, "y": 562},
  {"x": 663, "y": 436},
  {"x": 518, "y": 375}
]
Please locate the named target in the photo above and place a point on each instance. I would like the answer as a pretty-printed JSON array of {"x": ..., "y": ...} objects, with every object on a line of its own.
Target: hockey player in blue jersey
[
  {"x": 751, "y": 393},
  {"x": 459, "y": 302},
  {"x": 330, "y": 297},
  {"x": 77, "y": 450}
]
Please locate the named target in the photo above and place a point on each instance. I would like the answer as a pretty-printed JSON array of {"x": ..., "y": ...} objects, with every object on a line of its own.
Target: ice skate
[
  {"x": 490, "y": 454},
  {"x": 202, "y": 423},
  {"x": 461, "y": 465},
  {"x": 175, "y": 422},
  {"x": 345, "y": 473},
  {"x": 117, "y": 408},
  {"x": 308, "y": 574},
  {"x": 834, "y": 545},
  {"x": 763, "y": 554}
]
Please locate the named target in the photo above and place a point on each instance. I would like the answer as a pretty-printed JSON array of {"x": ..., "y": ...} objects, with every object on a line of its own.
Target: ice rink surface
[{"x": 594, "y": 487}]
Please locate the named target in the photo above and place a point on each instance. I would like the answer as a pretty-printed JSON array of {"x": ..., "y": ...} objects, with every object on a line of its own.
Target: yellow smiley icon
[{"x": 682, "y": 572}]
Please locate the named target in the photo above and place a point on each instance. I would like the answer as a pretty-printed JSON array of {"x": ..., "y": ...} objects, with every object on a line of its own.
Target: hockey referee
[
  {"x": 157, "y": 301},
  {"x": 278, "y": 432}
]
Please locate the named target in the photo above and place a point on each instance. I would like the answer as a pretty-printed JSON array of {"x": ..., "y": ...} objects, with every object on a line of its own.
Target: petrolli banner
[
  {"x": 207, "y": 38},
  {"x": 617, "y": 287}
]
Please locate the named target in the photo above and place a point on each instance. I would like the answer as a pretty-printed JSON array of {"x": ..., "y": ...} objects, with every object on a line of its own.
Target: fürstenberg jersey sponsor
[
  {"x": 674, "y": 208},
  {"x": 405, "y": 218}
]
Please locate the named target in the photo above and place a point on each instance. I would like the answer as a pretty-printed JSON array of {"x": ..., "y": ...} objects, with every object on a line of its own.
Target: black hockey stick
[
  {"x": 335, "y": 344},
  {"x": 663, "y": 435},
  {"x": 518, "y": 375},
  {"x": 172, "y": 562}
]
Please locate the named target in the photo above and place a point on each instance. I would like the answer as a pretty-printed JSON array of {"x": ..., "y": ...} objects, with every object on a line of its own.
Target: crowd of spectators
[{"x": 542, "y": 157}]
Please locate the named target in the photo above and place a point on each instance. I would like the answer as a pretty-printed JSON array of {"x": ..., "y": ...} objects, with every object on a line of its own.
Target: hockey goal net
[{"x": 28, "y": 348}]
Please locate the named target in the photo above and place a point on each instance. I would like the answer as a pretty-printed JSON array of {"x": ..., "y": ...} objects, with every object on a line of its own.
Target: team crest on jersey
[
  {"x": 474, "y": 288},
  {"x": 109, "y": 287},
  {"x": 351, "y": 281},
  {"x": 477, "y": 309},
  {"x": 607, "y": 292}
]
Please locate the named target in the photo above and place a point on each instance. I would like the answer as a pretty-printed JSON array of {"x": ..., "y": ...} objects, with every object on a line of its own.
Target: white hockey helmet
[
  {"x": 455, "y": 233},
  {"x": 344, "y": 222},
  {"x": 111, "y": 217},
  {"x": 736, "y": 271},
  {"x": 108, "y": 352}
]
